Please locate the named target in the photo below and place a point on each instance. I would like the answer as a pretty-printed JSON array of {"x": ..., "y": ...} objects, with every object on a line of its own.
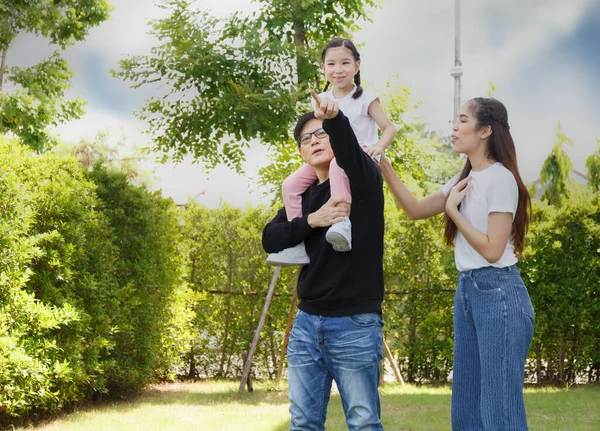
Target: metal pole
[{"x": 457, "y": 70}]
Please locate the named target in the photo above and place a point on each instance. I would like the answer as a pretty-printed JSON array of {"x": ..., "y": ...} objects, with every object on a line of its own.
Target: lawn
[{"x": 215, "y": 406}]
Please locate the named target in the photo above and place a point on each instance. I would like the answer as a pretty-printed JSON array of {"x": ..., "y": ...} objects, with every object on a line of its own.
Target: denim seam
[
  {"x": 363, "y": 325},
  {"x": 464, "y": 301},
  {"x": 505, "y": 361},
  {"x": 321, "y": 418},
  {"x": 485, "y": 291}
]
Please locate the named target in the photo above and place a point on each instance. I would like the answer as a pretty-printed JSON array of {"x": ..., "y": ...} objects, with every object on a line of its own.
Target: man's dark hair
[{"x": 300, "y": 124}]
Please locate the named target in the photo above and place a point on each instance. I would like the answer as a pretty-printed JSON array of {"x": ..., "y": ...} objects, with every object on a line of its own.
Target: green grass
[{"x": 214, "y": 406}]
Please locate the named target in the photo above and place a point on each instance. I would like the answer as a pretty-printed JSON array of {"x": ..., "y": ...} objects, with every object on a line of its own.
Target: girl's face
[
  {"x": 340, "y": 67},
  {"x": 466, "y": 139}
]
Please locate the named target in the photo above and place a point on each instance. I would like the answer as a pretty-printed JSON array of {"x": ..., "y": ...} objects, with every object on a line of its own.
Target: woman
[{"x": 487, "y": 209}]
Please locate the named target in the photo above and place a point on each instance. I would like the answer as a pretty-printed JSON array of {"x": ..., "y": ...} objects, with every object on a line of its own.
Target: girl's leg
[
  {"x": 340, "y": 186},
  {"x": 339, "y": 235},
  {"x": 293, "y": 187}
]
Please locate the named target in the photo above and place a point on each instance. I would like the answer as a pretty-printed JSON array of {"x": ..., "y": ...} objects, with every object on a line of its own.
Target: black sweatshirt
[{"x": 338, "y": 283}]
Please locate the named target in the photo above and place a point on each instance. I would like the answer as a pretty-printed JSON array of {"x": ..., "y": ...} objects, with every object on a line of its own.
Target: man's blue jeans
[
  {"x": 345, "y": 349},
  {"x": 493, "y": 328}
]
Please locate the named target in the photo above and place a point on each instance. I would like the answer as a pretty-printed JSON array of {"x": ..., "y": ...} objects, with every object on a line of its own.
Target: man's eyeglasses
[{"x": 305, "y": 138}]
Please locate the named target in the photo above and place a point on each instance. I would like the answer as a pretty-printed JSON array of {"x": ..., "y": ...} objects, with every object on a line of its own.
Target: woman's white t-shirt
[
  {"x": 357, "y": 111},
  {"x": 494, "y": 190}
]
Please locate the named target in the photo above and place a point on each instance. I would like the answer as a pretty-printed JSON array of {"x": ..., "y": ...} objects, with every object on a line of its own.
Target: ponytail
[{"x": 359, "y": 89}]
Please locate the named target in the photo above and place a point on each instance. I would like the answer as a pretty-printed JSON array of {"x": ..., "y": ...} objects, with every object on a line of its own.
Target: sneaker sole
[
  {"x": 286, "y": 263},
  {"x": 338, "y": 241}
]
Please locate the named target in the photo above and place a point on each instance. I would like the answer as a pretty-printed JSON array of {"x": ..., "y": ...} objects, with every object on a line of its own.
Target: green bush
[{"x": 89, "y": 267}]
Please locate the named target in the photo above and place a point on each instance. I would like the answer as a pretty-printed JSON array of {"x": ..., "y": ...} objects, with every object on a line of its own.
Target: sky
[{"x": 542, "y": 55}]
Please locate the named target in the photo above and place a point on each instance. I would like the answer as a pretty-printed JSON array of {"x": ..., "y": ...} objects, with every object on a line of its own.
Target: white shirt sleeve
[
  {"x": 367, "y": 97},
  {"x": 503, "y": 195},
  {"x": 448, "y": 186}
]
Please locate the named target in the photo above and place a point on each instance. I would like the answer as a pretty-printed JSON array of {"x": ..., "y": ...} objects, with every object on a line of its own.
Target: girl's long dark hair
[
  {"x": 345, "y": 43},
  {"x": 501, "y": 148}
]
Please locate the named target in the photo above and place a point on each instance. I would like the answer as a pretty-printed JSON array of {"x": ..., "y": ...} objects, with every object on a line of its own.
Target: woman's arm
[
  {"x": 491, "y": 245},
  {"x": 414, "y": 208}
]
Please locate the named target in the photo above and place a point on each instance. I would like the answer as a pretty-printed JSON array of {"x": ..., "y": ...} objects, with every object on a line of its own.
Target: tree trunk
[
  {"x": 301, "y": 46},
  {"x": 272, "y": 366},
  {"x": 538, "y": 360},
  {"x": 412, "y": 339},
  {"x": 227, "y": 318},
  {"x": 561, "y": 361},
  {"x": 249, "y": 379},
  {"x": 192, "y": 363},
  {"x": 2, "y": 67}
]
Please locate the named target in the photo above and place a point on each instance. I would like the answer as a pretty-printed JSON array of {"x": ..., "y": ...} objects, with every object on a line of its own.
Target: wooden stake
[
  {"x": 288, "y": 330},
  {"x": 392, "y": 362},
  {"x": 261, "y": 323}
]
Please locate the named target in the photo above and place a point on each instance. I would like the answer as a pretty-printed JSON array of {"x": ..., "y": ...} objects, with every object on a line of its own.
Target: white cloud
[
  {"x": 506, "y": 41},
  {"x": 500, "y": 41},
  {"x": 180, "y": 181},
  {"x": 187, "y": 179}
]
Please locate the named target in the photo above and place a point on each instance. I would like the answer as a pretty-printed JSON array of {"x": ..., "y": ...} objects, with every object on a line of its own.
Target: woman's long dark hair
[
  {"x": 501, "y": 148},
  {"x": 345, "y": 43}
]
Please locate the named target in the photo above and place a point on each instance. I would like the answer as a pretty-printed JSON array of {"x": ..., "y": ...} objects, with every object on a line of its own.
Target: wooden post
[
  {"x": 392, "y": 362},
  {"x": 288, "y": 329},
  {"x": 261, "y": 323}
]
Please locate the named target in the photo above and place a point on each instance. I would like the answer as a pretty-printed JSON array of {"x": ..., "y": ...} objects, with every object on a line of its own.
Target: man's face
[{"x": 317, "y": 151}]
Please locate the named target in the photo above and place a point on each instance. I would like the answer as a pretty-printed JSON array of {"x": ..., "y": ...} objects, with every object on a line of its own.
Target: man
[{"x": 337, "y": 331}]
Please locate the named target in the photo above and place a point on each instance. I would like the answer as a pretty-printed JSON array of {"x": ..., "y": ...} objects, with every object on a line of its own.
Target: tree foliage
[
  {"x": 225, "y": 266},
  {"x": 61, "y": 21},
  {"x": 89, "y": 265},
  {"x": 556, "y": 170},
  {"x": 592, "y": 163},
  {"x": 235, "y": 79},
  {"x": 561, "y": 266},
  {"x": 38, "y": 100}
]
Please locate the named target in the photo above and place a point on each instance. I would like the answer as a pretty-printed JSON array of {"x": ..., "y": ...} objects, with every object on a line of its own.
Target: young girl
[
  {"x": 340, "y": 61},
  {"x": 487, "y": 209}
]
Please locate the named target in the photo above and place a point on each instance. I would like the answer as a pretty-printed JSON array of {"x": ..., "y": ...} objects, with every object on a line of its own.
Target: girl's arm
[
  {"x": 388, "y": 130},
  {"x": 491, "y": 245},
  {"x": 414, "y": 208}
]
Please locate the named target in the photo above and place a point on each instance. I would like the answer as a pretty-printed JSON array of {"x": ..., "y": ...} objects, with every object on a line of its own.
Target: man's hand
[
  {"x": 328, "y": 214},
  {"x": 326, "y": 109}
]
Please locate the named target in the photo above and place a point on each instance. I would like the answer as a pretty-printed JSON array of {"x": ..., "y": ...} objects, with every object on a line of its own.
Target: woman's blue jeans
[
  {"x": 345, "y": 349},
  {"x": 493, "y": 328}
]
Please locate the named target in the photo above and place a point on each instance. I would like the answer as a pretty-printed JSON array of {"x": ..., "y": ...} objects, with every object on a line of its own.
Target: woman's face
[{"x": 466, "y": 139}]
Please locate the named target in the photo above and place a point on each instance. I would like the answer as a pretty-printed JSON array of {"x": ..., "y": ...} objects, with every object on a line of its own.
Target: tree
[
  {"x": 555, "y": 171},
  {"x": 38, "y": 101},
  {"x": 592, "y": 163},
  {"x": 561, "y": 268},
  {"x": 236, "y": 79},
  {"x": 225, "y": 269}
]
